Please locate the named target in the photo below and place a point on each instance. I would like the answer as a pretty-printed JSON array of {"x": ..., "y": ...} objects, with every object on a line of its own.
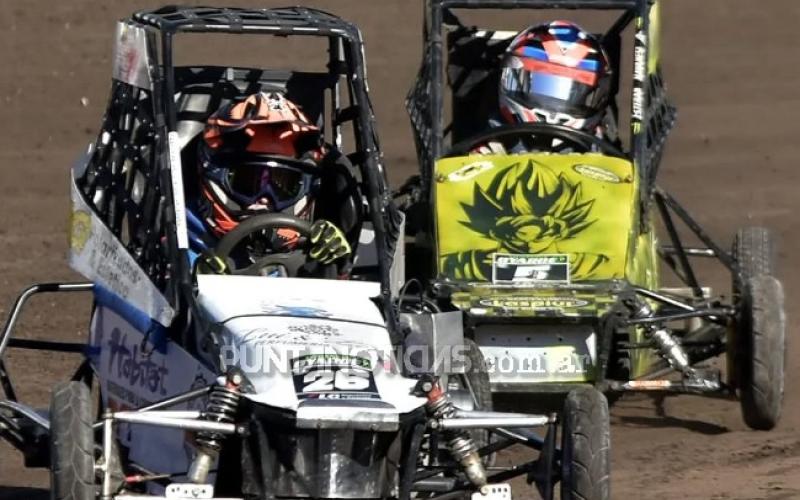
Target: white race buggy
[{"x": 242, "y": 386}]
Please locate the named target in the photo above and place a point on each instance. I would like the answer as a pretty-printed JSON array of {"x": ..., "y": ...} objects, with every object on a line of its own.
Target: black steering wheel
[
  {"x": 256, "y": 233},
  {"x": 538, "y": 137}
]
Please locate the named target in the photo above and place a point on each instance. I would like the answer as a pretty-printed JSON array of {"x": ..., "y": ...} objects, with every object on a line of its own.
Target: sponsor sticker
[
  {"x": 131, "y": 61},
  {"x": 333, "y": 376},
  {"x": 296, "y": 311},
  {"x": 176, "y": 173},
  {"x": 597, "y": 173},
  {"x": 537, "y": 303},
  {"x": 530, "y": 268},
  {"x": 470, "y": 170},
  {"x": 80, "y": 230},
  {"x": 639, "y": 78}
]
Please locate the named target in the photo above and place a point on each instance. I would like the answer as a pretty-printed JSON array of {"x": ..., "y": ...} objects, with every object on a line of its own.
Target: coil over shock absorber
[
  {"x": 667, "y": 345},
  {"x": 459, "y": 442},
  {"x": 223, "y": 402}
]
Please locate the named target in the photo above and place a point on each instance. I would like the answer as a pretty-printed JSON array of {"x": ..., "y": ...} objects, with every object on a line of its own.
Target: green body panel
[{"x": 582, "y": 206}]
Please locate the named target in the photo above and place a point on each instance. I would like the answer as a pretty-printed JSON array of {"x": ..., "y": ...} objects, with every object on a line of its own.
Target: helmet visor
[
  {"x": 282, "y": 184},
  {"x": 577, "y": 92}
]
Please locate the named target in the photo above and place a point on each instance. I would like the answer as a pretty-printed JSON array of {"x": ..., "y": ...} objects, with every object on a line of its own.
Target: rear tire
[
  {"x": 754, "y": 251},
  {"x": 72, "y": 475},
  {"x": 762, "y": 352},
  {"x": 585, "y": 446}
]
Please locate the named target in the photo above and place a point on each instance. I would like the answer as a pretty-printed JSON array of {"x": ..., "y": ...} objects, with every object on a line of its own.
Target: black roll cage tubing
[
  {"x": 345, "y": 48},
  {"x": 677, "y": 256},
  {"x": 437, "y": 10},
  {"x": 682, "y": 267}
]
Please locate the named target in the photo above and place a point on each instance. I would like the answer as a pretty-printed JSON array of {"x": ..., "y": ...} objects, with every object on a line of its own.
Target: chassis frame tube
[
  {"x": 170, "y": 401},
  {"x": 676, "y": 208},
  {"x": 189, "y": 424},
  {"x": 491, "y": 422},
  {"x": 30, "y": 292},
  {"x": 108, "y": 437},
  {"x": 687, "y": 273},
  {"x": 700, "y": 313}
]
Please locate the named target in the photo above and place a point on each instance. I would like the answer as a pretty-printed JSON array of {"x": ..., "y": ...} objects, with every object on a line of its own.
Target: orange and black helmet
[{"x": 261, "y": 152}]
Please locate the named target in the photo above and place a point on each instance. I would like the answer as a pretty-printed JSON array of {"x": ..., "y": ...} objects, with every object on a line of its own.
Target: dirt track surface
[{"x": 732, "y": 161}]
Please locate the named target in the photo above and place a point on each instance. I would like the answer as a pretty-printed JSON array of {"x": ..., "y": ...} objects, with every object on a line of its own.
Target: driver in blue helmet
[{"x": 557, "y": 74}]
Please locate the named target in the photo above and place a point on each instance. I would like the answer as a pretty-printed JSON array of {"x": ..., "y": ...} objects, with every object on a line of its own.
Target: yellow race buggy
[{"x": 554, "y": 255}]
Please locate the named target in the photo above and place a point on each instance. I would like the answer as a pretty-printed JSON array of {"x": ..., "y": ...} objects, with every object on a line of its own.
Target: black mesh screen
[
  {"x": 473, "y": 73},
  {"x": 421, "y": 112},
  {"x": 121, "y": 181},
  {"x": 661, "y": 120}
]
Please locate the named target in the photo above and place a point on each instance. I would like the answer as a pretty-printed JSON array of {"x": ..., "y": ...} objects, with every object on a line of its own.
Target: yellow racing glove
[{"x": 328, "y": 242}]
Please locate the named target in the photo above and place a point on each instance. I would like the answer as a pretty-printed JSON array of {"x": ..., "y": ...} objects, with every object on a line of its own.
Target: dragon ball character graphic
[{"x": 526, "y": 209}]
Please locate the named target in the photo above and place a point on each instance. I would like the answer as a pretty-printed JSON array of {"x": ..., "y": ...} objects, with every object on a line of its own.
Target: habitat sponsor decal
[
  {"x": 134, "y": 374},
  {"x": 133, "y": 366}
]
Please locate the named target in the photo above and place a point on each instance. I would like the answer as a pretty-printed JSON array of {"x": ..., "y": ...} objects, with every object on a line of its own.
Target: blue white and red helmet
[{"x": 555, "y": 73}]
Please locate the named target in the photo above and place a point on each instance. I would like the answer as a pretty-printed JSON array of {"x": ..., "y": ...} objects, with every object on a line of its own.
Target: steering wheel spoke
[
  {"x": 263, "y": 226},
  {"x": 538, "y": 137}
]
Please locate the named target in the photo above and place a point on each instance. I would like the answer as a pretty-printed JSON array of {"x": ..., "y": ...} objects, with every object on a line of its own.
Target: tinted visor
[
  {"x": 284, "y": 185},
  {"x": 576, "y": 92}
]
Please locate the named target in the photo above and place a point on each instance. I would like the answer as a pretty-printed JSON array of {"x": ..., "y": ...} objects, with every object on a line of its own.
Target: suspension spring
[
  {"x": 666, "y": 343},
  {"x": 459, "y": 442},
  {"x": 222, "y": 405}
]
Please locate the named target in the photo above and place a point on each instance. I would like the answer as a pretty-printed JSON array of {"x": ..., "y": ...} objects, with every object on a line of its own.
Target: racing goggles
[
  {"x": 283, "y": 182},
  {"x": 576, "y": 92}
]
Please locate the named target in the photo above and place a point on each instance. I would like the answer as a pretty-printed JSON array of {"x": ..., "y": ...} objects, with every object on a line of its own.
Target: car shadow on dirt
[
  {"x": 633, "y": 411},
  {"x": 664, "y": 422},
  {"x": 651, "y": 411},
  {"x": 23, "y": 493}
]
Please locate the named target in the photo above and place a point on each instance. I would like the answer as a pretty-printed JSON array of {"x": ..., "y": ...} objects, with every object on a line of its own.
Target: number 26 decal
[{"x": 343, "y": 379}]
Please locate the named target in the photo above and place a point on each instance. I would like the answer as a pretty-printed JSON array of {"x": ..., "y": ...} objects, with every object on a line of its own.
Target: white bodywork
[
  {"x": 266, "y": 323},
  {"x": 282, "y": 318}
]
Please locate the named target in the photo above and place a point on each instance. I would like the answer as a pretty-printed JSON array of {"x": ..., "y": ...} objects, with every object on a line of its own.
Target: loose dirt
[{"x": 732, "y": 161}]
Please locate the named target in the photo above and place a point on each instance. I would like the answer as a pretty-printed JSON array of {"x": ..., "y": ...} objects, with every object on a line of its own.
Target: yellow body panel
[{"x": 580, "y": 205}]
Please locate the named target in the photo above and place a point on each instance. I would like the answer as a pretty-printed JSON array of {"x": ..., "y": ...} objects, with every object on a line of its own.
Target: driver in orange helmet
[{"x": 262, "y": 155}]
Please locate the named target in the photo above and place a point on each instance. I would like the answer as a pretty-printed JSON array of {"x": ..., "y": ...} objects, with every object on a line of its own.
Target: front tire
[
  {"x": 585, "y": 446},
  {"x": 759, "y": 345},
  {"x": 762, "y": 348},
  {"x": 72, "y": 475}
]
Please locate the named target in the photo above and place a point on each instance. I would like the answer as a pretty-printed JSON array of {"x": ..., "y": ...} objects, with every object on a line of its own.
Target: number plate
[{"x": 333, "y": 376}]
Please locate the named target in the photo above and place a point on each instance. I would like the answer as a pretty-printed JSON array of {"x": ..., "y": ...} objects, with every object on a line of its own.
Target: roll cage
[
  {"x": 464, "y": 59},
  {"x": 132, "y": 179},
  {"x": 652, "y": 116}
]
